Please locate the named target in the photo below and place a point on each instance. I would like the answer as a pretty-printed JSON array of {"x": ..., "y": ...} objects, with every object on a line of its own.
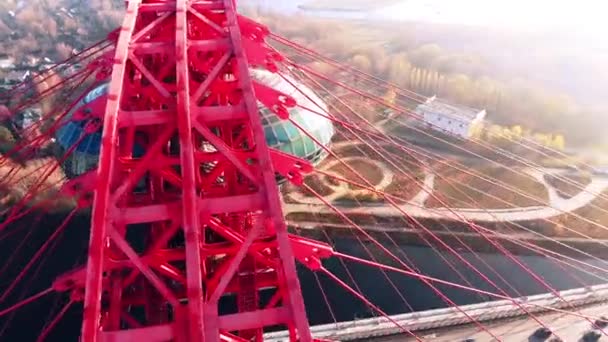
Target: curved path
[{"x": 415, "y": 207}]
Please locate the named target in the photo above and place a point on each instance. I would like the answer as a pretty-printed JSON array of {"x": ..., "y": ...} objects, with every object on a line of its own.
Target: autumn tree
[
  {"x": 399, "y": 69},
  {"x": 424, "y": 56},
  {"x": 390, "y": 96},
  {"x": 559, "y": 142},
  {"x": 362, "y": 62},
  {"x": 63, "y": 50}
]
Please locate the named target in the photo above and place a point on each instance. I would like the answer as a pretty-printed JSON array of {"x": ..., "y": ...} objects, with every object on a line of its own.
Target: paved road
[{"x": 415, "y": 207}]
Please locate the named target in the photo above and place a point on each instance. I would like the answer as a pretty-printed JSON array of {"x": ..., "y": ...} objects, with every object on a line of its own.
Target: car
[
  {"x": 591, "y": 336},
  {"x": 542, "y": 333}
]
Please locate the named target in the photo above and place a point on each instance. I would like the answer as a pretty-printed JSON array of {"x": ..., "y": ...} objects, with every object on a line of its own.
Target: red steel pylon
[{"x": 185, "y": 224}]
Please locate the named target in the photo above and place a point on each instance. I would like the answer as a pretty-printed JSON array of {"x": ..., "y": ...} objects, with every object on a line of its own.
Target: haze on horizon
[
  {"x": 582, "y": 16},
  {"x": 586, "y": 16}
]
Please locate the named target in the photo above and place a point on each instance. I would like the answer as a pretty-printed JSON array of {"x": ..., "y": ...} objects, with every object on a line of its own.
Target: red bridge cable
[
  {"x": 389, "y": 85},
  {"x": 27, "y": 285},
  {"x": 368, "y": 303},
  {"x": 385, "y": 275},
  {"x": 427, "y": 242},
  {"x": 422, "y": 187},
  {"x": 477, "y": 155},
  {"x": 69, "y": 61},
  {"x": 459, "y": 286},
  {"x": 51, "y": 130},
  {"x": 421, "y": 235},
  {"x": 466, "y": 195},
  {"x": 494, "y": 243},
  {"x": 398, "y": 260},
  {"x": 15, "y": 252},
  {"x": 47, "y": 329},
  {"x": 285, "y": 41},
  {"x": 36, "y": 186},
  {"x": 26, "y": 142},
  {"x": 38, "y": 254},
  {"x": 500, "y": 248},
  {"x": 537, "y": 249},
  {"x": 352, "y": 278},
  {"x": 407, "y": 150},
  {"x": 47, "y": 92},
  {"x": 464, "y": 261},
  {"x": 406, "y": 110},
  {"x": 26, "y": 301},
  {"x": 467, "y": 246},
  {"x": 491, "y": 148},
  {"x": 457, "y": 238}
]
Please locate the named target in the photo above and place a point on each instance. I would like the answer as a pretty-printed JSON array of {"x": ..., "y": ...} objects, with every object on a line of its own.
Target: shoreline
[
  {"x": 388, "y": 236},
  {"x": 389, "y": 233}
]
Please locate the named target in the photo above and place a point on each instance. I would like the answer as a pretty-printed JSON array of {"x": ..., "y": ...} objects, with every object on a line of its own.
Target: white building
[
  {"x": 6, "y": 62},
  {"x": 456, "y": 120}
]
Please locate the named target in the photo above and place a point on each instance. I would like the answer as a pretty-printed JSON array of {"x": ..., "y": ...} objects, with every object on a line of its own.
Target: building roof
[{"x": 435, "y": 105}]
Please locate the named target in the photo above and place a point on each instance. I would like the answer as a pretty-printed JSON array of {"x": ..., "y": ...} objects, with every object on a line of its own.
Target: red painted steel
[{"x": 197, "y": 219}]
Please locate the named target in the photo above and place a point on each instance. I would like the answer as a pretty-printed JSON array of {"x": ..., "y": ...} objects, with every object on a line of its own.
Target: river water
[{"x": 373, "y": 283}]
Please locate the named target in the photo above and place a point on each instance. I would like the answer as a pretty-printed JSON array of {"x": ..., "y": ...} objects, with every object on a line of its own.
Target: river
[{"x": 374, "y": 285}]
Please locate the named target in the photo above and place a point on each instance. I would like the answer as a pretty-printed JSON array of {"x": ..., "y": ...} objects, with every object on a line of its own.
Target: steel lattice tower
[{"x": 207, "y": 222}]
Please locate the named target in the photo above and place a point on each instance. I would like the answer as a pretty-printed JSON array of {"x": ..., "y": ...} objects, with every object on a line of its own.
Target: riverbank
[{"x": 461, "y": 238}]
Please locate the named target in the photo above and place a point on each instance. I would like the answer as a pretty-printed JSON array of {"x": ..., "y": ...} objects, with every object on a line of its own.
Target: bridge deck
[
  {"x": 508, "y": 321},
  {"x": 569, "y": 328}
]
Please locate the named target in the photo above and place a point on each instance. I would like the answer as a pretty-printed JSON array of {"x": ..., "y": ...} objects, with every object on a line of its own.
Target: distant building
[
  {"x": 448, "y": 118},
  {"x": 12, "y": 78},
  {"x": 6, "y": 62}
]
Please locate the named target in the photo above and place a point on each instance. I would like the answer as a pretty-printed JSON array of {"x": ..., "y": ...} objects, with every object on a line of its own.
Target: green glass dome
[
  {"x": 280, "y": 134},
  {"x": 285, "y": 136}
]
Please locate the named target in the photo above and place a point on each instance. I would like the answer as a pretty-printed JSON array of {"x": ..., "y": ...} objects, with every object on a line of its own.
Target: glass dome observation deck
[{"x": 280, "y": 134}]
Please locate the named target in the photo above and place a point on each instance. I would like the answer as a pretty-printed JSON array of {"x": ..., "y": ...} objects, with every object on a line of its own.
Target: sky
[
  {"x": 588, "y": 16},
  {"x": 582, "y": 16}
]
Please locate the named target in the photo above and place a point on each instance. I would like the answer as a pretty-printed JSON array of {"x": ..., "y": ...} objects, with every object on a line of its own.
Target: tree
[
  {"x": 321, "y": 67},
  {"x": 424, "y": 56},
  {"x": 390, "y": 96},
  {"x": 458, "y": 88},
  {"x": 559, "y": 142},
  {"x": 517, "y": 132},
  {"x": 362, "y": 62},
  {"x": 399, "y": 69},
  {"x": 63, "y": 50},
  {"x": 6, "y": 136}
]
